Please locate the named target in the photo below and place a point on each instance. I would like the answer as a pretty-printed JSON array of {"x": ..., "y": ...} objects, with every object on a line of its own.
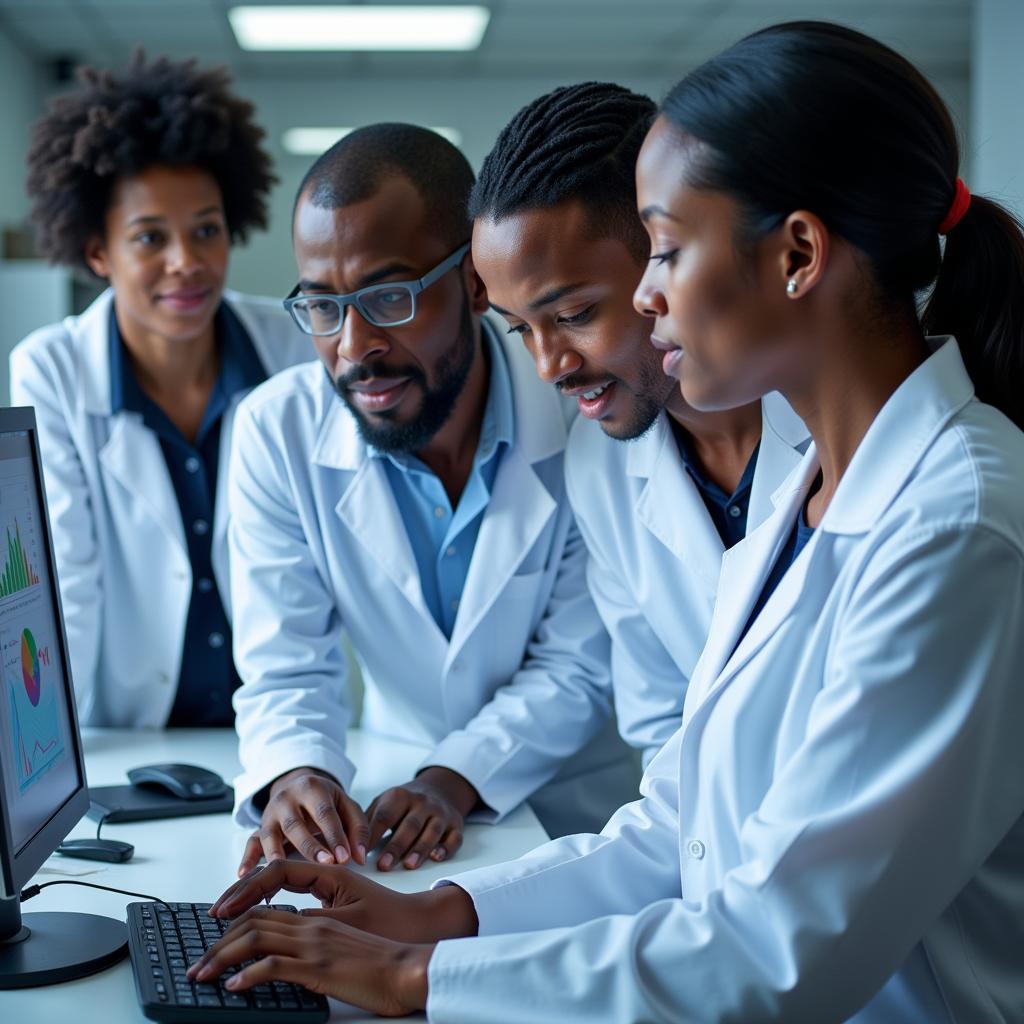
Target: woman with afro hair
[{"x": 144, "y": 178}]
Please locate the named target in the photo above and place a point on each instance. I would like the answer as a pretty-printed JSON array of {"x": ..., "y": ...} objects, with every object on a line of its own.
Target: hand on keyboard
[
  {"x": 268, "y": 946},
  {"x": 164, "y": 939},
  {"x": 356, "y": 900}
]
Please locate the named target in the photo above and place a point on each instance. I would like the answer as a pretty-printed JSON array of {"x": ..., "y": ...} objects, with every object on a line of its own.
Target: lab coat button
[
  {"x": 163, "y": 677},
  {"x": 695, "y": 848}
]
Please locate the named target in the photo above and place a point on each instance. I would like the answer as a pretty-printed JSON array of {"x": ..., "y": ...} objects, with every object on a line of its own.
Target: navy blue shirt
[
  {"x": 208, "y": 676},
  {"x": 728, "y": 511}
]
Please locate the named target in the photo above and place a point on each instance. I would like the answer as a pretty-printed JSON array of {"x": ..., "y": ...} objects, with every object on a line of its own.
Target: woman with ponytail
[{"x": 835, "y": 832}]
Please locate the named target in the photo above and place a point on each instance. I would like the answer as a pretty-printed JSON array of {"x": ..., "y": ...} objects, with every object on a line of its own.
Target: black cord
[
  {"x": 101, "y": 823},
  {"x": 35, "y": 890}
]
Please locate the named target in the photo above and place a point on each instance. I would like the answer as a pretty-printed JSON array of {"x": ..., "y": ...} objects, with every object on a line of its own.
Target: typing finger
[
  {"x": 245, "y": 940},
  {"x": 251, "y": 855},
  {"x": 264, "y": 882}
]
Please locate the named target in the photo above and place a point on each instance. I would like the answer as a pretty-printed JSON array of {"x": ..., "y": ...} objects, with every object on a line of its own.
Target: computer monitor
[{"x": 43, "y": 791}]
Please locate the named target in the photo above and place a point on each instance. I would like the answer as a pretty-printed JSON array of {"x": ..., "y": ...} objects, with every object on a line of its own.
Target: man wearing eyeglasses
[{"x": 407, "y": 492}]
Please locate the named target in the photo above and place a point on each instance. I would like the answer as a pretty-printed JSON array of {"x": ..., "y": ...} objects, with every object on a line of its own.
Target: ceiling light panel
[
  {"x": 314, "y": 141},
  {"x": 365, "y": 27}
]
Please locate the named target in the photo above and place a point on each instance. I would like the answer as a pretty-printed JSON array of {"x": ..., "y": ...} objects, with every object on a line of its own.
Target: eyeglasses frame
[{"x": 354, "y": 298}]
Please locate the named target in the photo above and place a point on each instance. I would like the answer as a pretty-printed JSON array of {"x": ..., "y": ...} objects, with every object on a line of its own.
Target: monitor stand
[{"x": 44, "y": 949}]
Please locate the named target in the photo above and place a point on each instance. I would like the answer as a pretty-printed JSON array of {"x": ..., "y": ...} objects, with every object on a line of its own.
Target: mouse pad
[{"x": 134, "y": 803}]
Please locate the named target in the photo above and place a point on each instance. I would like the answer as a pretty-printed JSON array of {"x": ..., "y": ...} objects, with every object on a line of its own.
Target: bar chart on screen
[{"x": 20, "y": 553}]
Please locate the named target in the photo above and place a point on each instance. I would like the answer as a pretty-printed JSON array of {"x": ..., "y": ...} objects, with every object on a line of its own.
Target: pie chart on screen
[{"x": 30, "y": 667}]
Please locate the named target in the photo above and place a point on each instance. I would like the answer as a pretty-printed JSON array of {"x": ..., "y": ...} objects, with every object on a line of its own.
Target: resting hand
[
  {"x": 356, "y": 900},
  {"x": 304, "y": 804},
  {"x": 326, "y": 956},
  {"x": 426, "y": 818}
]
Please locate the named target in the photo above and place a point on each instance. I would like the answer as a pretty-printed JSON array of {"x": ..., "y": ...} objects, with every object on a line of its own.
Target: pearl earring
[{"x": 791, "y": 286}]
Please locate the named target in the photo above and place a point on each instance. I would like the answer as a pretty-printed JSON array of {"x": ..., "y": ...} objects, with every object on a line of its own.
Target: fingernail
[
  {"x": 385, "y": 861},
  {"x": 324, "y": 857},
  {"x": 362, "y": 853},
  {"x": 440, "y": 854},
  {"x": 412, "y": 860},
  {"x": 203, "y": 972},
  {"x": 231, "y": 982},
  {"x": 342, "y": 855}
]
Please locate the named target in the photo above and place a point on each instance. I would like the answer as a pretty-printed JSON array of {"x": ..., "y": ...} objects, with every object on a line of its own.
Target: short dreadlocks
[{"x": 578, "y": 142}]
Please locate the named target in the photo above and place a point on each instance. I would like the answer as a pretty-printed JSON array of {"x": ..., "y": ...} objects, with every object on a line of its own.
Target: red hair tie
[{"x": 961, "y": 200}]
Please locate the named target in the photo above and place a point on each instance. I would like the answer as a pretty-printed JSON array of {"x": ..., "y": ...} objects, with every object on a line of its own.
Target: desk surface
[{"x": 194, "y": 859}]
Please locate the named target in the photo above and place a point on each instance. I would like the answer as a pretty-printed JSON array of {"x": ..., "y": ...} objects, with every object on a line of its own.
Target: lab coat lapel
[
  {"x": 519, "y": 509},
  {"x": 784, "y": 439},
  {"x": 132, "y": 456},
  {"x": 745, "y": 568},
  {"x": 670, "y": 507},
  {"x": 369, "y": 509}
]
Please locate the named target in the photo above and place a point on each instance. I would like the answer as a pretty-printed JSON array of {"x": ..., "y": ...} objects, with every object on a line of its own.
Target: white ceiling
[{"x": 525, "y": 37}]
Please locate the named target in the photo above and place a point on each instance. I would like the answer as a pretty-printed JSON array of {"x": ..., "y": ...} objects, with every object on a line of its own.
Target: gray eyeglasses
[{"x": 383, "y": 305}]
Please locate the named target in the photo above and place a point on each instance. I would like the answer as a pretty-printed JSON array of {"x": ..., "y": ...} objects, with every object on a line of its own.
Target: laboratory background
[{"x": 309, "y": 84}]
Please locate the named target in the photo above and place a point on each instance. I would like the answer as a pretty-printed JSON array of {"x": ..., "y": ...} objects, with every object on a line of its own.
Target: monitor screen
[{"x": 40, "y": 762}]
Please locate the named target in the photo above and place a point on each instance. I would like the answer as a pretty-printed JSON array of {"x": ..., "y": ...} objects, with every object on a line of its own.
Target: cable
[
  {"x": 101, "y": 823},
  {"x": 35, "y": 890}
]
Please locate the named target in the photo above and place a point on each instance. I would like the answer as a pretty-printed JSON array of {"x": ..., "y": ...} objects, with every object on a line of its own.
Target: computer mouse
[
  {"x": 185, "y": 781},
  {"x": 112, "y": 850}
]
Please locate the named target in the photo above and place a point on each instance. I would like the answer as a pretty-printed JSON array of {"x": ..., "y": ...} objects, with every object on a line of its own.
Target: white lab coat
[
  {"x": 122, "y": 558},
  {"x": 654, "y": 556},
  {"x": 513, "y": 701},
  {"x": 835, "y": 832}
]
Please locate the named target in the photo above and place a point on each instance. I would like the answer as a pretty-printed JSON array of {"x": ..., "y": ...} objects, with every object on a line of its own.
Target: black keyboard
[{"x": 166, "y": 939}]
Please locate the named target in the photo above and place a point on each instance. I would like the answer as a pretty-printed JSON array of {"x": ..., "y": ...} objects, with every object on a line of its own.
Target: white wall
[{"x": 997, "y": 122}]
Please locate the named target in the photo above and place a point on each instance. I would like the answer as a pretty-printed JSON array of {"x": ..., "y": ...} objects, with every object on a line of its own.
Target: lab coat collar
[
  {"x": 670, "y": 505},
  {"x": 893, "y": 446},
  {"x": 91, "y": 331},
  {"x": 897, "y": 439},
  {"x": 92, "y": 338}
]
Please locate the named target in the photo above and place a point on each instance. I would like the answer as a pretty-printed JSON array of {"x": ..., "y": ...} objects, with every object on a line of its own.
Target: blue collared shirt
[
  {"x": 728, "y": 511},
  {"x": 208, "y": 677},
  {"x": 443, "y": 538}
]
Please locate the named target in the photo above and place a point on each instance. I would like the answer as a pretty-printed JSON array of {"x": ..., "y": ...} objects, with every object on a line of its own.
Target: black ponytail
[
  {"x": 979, "y": 297},
  {"x": 814, "y": 116}
]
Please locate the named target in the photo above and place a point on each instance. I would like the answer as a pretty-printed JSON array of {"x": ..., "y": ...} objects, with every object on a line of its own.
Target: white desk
[{"x": 194, "y": 859}]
